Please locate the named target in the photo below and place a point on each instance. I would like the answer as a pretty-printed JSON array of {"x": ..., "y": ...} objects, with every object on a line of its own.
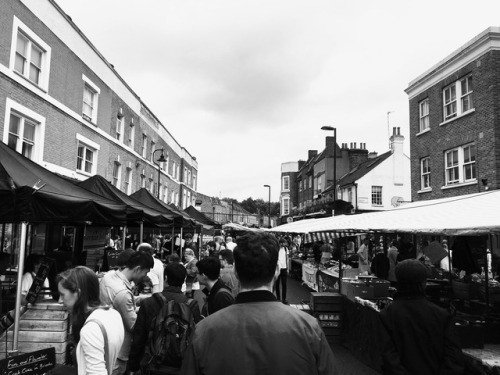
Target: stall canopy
[
  {"x": 146, "y": 198},
  {"x": 136, "y": 211},
  {"x": 240, "y": 228},
  {"x": 473, "y": 214},
  {"x": 31, "y": 193},
  {"x": 201, "y": 217}
]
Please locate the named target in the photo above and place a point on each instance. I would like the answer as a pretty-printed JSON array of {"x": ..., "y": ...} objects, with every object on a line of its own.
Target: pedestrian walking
[
  {"x": 218, "y": 294},
  {"x": 283, "y": 271}
]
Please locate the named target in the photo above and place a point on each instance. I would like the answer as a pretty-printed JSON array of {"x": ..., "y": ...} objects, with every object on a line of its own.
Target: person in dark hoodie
[{"x": 421, "y": 335}]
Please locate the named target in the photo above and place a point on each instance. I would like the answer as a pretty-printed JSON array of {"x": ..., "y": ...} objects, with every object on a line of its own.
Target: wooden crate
[{"x": 42, "y": 326}]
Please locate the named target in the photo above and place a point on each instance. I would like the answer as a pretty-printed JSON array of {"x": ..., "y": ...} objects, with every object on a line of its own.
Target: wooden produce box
[
  {"x": 326, "y": 301},
  {"x": 42, "y": 326}
]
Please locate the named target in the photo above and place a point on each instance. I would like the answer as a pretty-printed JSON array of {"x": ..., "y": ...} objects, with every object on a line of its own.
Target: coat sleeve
[
  {"x": 453, "y": 362},
  {"x": 140, "y": 336},
  {"x": 92, "y": 346},
  {"x": 124, "y": 303},
  {"x": 189, "y": 362}
]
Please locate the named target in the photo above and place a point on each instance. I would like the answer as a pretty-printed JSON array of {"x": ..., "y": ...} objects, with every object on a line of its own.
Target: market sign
[{"x": 34, "y": 363}]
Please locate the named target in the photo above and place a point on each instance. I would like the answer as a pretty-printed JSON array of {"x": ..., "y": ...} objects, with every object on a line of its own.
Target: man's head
[
  {"x": 256, "y": 258},
  {"x": 208, "y": 270},
  {"x": 138, "y": 265},
  {"x": 173, "y": 258},
  {"x": 229, "y": 239},
  {"x": 189, "y": 254},
  {"x": 411, "y": 275},
  {"x": 146, "y": 247},
  {"x": 188, "y": 237},
  {"x": 218, "y": 239},
  {"x": 176, "y": 274},
  {"x": 226, "y": 258},
  {"x": 123, "y": 257}
]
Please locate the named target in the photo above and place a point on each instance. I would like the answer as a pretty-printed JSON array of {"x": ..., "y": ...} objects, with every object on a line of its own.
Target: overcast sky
[{"x": 245, "y": 85}]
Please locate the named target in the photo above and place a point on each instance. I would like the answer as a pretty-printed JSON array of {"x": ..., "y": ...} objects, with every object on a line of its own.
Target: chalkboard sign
[
  {"x": 34, "y": 363},
  {"x": 112, "y": 257},
  {"x": 40, "y": 277}
]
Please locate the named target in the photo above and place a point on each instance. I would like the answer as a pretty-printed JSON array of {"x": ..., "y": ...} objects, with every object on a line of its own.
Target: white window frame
[
  {"x": 33, "y": 39},
  {"x": 128, "y": 180},
  {"x": 286, "y": 183},
  {"x": 165, "y": 193},
  {"x": 39, "y": 136},
  {"x": 152, "y": 185},
  {"x": 131, "y": 136},
  {"x": 184, "y": 176},
  {"x": 172, "y": 197},
  {"x": 425, "y": 173},
  {"x": 285, "y": 206},
  {"x": 194, "y": 182},
  {"x": 119, "y": 129},
  {"x": 189, "y": 178},
  {"x": 152, "y": 145},
  {"x": 117, "y": 174},
  {"x": 144, "y": 145},
  {"x": 95, "y": 92},
  {"x": 94, "y": 147},
  {"x": 453, "y": 106},
  {"x": 423, "y": 110},
  {"x": 143, "y": 180},
  {"x": 458, "y": 165},
  {"x": 377, "y": 196}
]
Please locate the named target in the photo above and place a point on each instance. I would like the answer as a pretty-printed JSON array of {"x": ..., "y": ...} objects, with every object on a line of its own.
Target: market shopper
[
  {"x": 227, "y": 274},
  {"x": 91, "y": 321},
  {"x": 156, "y": 275},
  {"x": 392, "y": 254},
  {"x": 192, "y": 272},
  {"x": 421, "y": 335},
  {"x": 218, "y": 294},
  {"x": 363, "y": 254},
  {"x": 31, "y": 267},
  {"x": 258, "y": 334},
  {"x": 116, "y": 290},
  {"x": 280, "y": 285}
]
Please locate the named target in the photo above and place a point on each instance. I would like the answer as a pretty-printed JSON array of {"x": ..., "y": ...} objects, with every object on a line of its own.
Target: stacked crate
[
  {"x": 42, "y": 326},
  {"x": 327, "y": 307}
]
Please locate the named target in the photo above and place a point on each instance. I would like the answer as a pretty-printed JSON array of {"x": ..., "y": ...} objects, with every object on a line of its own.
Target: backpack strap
[{"x": 106, "y": 349}]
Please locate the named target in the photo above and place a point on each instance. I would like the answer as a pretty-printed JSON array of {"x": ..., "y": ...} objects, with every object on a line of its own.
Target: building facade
[
  {"x": 454, "y": 121},
  {"x": 63, "y": 105}
]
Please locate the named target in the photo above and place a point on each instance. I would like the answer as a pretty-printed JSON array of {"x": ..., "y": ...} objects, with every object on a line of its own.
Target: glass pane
[
  {"x": 19, "y": 64},
  {"x": 29, "y": 131},
  {"x": 34, "y": 74},
  {"x": 36, "y": 56},
  {"x": 12, "y": 141},
  {"x": 22, "y": 44},
  {"x": 14, "y": 124},
  {"x": 27, "y": 148}
]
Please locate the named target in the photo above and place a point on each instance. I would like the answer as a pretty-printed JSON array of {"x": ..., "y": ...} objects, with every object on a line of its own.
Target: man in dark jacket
[
  {"x": 258, "y": 334},
  {"x": 422, "y": 339},
  {"x": 218, "y": 293},
  {"x": 150, "y": 308}
]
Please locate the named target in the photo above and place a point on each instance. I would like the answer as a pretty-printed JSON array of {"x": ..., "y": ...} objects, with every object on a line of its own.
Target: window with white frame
[
  {"x": 85, "y": 158},
  {"x": 460, "y": 164},
  {"x": 173, "y": 169},
  {"x": 151, "y": 186},
  {"x": 286, "y": 183},
  {"x": 172, "y": 197},
  {"x": 320, "y": 184},
  {"x": 117, "y": 169},
  {"x": 143, "y": 181},
  {"x": 30, "y": 55},
  {"x": 286, "y": 206},
  {"x": 131, "y": 135},
  {"x": 119, "y": 129},
  {"x": 425, "y": 173},
  {"x": 349, "y": 195},
  {"x": 144, "y": 145},
  {"x": 128, "y": 181},
  {"x": 189, "y": 178},
  {"x": 424, "y": 114},
  {"x": 184, "y": 199},
  {"x": 165, "y": 194},
  {"x": 377, "y": 195},
  {"x": 90, "y": 99},
  {"x": 194, "y": 182},
  {"x": 184, "y": 176},
  {"x": 310, "y": 182},
  {"x": 461, "y": 89},
  {"x": 152, "y": 151}
]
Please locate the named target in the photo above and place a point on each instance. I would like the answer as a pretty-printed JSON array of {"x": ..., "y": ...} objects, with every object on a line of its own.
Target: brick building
[
  {"x": 63, "y": 105},
  {"x": 454, "y": 121}
]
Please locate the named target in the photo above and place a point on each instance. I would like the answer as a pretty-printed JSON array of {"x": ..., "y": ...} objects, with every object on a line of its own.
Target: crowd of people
[{"x": 241, "y": 327}]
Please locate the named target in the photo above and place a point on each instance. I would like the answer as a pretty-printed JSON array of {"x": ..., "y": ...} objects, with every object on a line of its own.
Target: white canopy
[
  {"x": 473, "y": 214},
  {"x": 238, "y": 227}
]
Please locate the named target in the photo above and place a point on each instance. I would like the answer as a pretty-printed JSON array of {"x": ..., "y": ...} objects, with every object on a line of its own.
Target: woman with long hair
[{"x": 92, "y": 323}]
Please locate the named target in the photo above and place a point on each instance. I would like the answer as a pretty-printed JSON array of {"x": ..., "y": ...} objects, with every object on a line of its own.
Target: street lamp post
[
  {"x": 335, "y": 193},
  {"x": 269, "y": 212},
  {"x": 161, "y": 159}
]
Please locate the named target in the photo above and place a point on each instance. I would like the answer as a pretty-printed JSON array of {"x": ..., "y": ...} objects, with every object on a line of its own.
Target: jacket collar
[{"x": 255, "y": 296}]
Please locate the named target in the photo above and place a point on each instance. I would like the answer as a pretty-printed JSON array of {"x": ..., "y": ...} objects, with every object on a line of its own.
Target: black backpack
[{"x": 169, "y": 335}]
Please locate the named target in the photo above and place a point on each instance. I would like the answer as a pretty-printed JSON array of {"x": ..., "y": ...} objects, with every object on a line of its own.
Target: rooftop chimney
[
  {"x": 311, "y": 154},
  {"x": 396, "y": 142}
]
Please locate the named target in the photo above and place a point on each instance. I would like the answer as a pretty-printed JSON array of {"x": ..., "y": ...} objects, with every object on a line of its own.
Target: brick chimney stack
[{"x": 396, "y": 142}]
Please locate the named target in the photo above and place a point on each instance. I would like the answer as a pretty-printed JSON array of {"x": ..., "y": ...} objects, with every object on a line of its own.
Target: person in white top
[
  {"x": 91, "y": 322},
  {"x": 157, "y": 273},
  {"x": 31, "y": 267},
  {"x": 283, "y": 267},
  {"x": 229, "y": 243},
  {"x": 364, "y": 262}
]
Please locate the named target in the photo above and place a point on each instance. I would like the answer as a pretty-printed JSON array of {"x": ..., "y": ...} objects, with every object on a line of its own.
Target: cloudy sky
[{"x": 246, "y": 85}]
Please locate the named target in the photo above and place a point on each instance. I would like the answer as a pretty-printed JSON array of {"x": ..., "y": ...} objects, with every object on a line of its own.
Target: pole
[
  {"x": 334, "y": 165},
  {"x": 269, "y": 213},
  {"x": 20, "y": 269}
]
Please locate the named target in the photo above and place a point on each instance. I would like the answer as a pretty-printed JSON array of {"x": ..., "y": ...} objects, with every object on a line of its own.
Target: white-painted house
[{"x": 380, "y": 183}]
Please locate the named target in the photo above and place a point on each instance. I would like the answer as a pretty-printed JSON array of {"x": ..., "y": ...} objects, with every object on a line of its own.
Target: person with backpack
[
  {"x": 155, "y": 350},
  {"x": 218, "y": 294}
]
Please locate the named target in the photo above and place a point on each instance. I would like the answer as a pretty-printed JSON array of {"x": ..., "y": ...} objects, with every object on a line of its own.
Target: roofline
[{"x": 486, "y": 41}]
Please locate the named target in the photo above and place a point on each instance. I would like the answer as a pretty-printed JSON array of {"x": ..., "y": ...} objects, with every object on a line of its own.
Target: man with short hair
[
  {"x": 150, "y": 308},
  {"x": 227, "y": 271},
  {"x": 258, "y": 334},
  {"x": 116, "y": 290},
  {"x": 156, "y": 275},
  {"x": 229, "y": 243},
  {"x": 218, "y": 294}
]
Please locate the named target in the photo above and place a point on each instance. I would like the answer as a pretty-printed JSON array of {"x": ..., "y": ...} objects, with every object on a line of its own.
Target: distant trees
[{"x": 257, "y": 206}]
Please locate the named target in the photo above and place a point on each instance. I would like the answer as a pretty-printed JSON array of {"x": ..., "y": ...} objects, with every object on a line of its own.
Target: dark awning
[{"x": 31, "y": 193}]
